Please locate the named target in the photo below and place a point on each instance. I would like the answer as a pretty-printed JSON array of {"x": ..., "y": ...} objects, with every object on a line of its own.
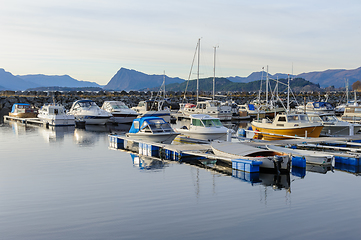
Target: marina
[{"x": 92, "y": 184}]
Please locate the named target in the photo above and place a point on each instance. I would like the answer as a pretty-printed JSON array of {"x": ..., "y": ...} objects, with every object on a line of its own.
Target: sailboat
[
  {"x": 213, "y": 108},
  {"x": 154, "y": 107},
  {"x": 286, "y": 125}
]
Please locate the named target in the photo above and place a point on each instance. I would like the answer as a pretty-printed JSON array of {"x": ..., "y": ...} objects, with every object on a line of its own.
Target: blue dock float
[
  {"x": 180, "y": 152},
  {"x": 246, "y": 165}
]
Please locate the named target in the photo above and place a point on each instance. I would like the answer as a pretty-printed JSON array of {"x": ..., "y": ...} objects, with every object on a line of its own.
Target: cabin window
[
  {"x": 136, "y": 125},
  {"x": 282, "y": 119},
  {"x": 197, "y": 123},
  {"x": 212, "y": 123},
  {"x": 292, "y": 118},
  {"x": 303, "y": 117},
  {"x": 141, "y": 104}
]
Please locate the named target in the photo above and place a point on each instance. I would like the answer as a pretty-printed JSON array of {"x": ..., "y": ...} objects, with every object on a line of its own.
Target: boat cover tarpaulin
[
  {"x": 133, "y": 129},
  {"x": 21, "y": 104}
]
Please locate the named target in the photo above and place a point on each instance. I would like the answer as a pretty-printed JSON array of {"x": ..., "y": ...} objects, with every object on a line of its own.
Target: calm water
[{"x": 67, "y": 184}]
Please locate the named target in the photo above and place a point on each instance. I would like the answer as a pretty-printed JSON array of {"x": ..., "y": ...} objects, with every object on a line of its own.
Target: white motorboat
[
  {"x": 88, "y": 111},
  {"x": 316, "y": 107},
  {"x": 152, "y": 129},
  {"x": 270, "y": 159},
  {"x": 121, "y": 112},
  {"x": 153, "y": 108},
  {"x": 213, "y": 108},
  {"x": 312, "y": 157},
  {"x": 332, "y": 126},
  {"x": 55, "y": 115},
  {"x": 204, "y": 127}
]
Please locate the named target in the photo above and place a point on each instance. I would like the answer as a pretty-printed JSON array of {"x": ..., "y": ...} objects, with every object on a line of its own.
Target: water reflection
[
  {"x": 356, "y": 170},
  {"x": 55, "y": 134},
  {"x": 146, "y": 163},
  {"x": 20, "y": 128}
]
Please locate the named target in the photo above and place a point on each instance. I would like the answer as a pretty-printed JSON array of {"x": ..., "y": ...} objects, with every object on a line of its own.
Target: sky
[{"x": 91, "y": 40}]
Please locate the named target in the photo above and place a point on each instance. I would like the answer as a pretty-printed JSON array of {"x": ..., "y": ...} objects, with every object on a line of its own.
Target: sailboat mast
[
  {"x": 214, "y": 71},
  {"x": 267, "y": 87},
  {"x": 288, "y": 95},
  {"x": 199, "y": 47}
]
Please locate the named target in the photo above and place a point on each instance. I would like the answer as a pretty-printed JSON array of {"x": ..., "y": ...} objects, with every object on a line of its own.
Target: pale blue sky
[{"x": 92, "y": 40}]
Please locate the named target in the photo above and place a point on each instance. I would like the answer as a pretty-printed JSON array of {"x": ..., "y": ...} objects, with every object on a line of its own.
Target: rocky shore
[{"x": 37, "y": 99}]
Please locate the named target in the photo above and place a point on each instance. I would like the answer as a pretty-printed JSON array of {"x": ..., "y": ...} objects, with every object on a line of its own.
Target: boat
[
  {"x": 286, "y": 125},
  {"x": 312, "y": 157},
  {"x": 23, "y": 110},
  {"x": 213, "y": 108},
  {"x": 55, "y": 115},
  {"x": 204, "y": 127},
  {"x": 332, "y": 126},
  {"x": 152, "y": 129},
  {"x": 352, "y": 114},
  {"x": 121, "y": 112},
  {"x": 271, "y": 160},
  {"x": 88, "y": 111},
  {"x": 252, "y": 111},
  {"x": 153, "y": 108},
  {"x": 316, "y": 107}
]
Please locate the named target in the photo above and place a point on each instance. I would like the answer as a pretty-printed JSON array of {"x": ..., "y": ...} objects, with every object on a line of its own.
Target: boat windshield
[
  {"x": 212, "y": 123},
  {"x": 315, "y": 119},
  {"x": 119, "y": 106},
  {"x": 87, "y": 104},
  {"x": 297, "y": 118},
  {"x": 329, "y": 118},
  {"x": 156, "y": 125}
]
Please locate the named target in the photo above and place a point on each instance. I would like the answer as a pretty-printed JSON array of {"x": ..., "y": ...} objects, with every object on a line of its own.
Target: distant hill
[
  {"x": 67, "y": 89},
  {"x": 10, "y": 82},
  {"x": 127, "y": 80},
  {"x": 257, "y": 76},
  {"x": 325, "y": 78},
  {"x": 56, "y": 80},
  {"x": 335, "y": 77},
  {"x": 223, "y": 84}
]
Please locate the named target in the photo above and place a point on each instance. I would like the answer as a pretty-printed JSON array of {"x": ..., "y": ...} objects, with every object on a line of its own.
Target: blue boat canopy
[
  {"x": 18, "y": 104},
  {"x": 138, "y": 123},
  {"x": 251, "y": 107},
  {"x": 322, "y": 104}
]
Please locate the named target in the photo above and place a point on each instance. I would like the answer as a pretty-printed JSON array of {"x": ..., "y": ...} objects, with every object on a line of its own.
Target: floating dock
[
  {"x": 180, "y": 152},
  {"x": 35, "y": 121}
]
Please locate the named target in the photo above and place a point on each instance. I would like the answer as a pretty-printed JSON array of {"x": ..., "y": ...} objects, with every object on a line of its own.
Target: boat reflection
[
  {"x": 146, "y": 163},
  {"x": 21, "y": 128},
  {"x": 318, "y": 168},
  {"x": 55, "y": 134}
]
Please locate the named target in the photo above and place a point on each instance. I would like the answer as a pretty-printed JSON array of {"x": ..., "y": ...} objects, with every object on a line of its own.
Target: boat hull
[
  {"x": 268, "y": 162},
  {"x": 313, "y": 131},
  {"x": 58, "y": 120},
  {"x": 123, "y": 118},
  {"x": 166, "y": 138},
  {"x": 203, "y": 135},
  {"x": 24, "y": 115},
  {"x": 93, "y": 120}
]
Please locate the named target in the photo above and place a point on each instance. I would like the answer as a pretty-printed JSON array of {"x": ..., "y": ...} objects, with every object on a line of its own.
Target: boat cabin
[
  {"x": 295, "y": 119},
  {"x": 150, "y": 125}
]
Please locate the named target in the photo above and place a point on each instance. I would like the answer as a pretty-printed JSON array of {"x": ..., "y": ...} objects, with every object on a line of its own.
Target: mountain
[
  {"x": 224, "y": 84},
  {"x": 334, "y": 77},
  {"x": 257, "y": 76},
  {"x": 56, "y": 80},
  {"x": 127, "y": 80},
  {"x": 327, "y": 78},
  {"x": 10, "y": 82}
]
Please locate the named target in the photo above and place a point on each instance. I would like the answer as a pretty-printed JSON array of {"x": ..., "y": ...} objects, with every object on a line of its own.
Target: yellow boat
[{"x": 286, "y": 126}]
